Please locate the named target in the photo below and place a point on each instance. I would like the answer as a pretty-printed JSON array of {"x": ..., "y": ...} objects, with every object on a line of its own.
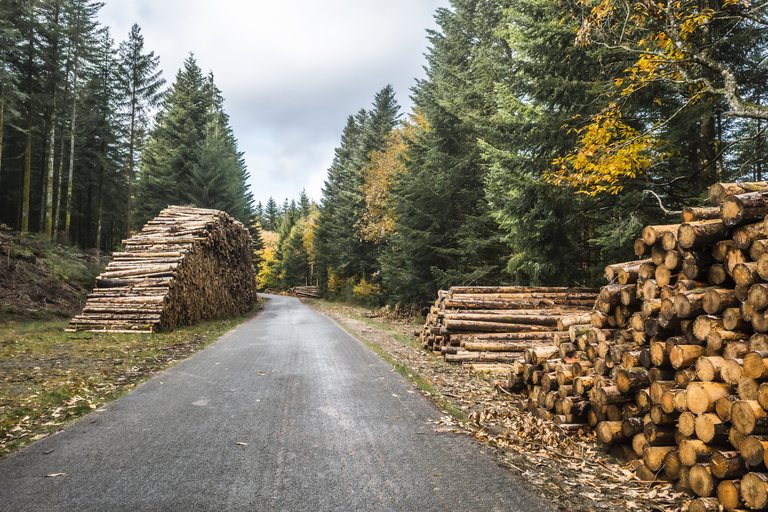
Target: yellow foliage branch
[{"x": 609, "y": 153}]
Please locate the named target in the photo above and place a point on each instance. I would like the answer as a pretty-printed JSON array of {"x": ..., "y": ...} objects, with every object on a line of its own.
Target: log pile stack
[
  {"x": 186, "y": 265},
  {"x": 672, "y": 367},
  {"x": 306, "y": 291},
  {"x": 490, "y": 328},
  {"x": 679, "y": 347}
]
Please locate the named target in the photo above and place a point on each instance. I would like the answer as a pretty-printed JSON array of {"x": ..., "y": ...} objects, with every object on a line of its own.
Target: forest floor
[{"x": 577, "y": 473}]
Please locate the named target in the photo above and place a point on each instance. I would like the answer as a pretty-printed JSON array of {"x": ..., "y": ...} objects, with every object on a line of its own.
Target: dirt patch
[
  {"x": 573, "y": 471},
  {"x": 42, "y": 280}
]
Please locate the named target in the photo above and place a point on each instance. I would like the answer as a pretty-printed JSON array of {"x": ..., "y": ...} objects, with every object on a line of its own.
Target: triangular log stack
[{"x": 186, "y": 265}]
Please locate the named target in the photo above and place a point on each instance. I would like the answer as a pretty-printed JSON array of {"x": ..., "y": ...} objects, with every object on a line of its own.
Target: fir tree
[
  {"x": 140, "y": 84},
  {"x": 443, "y": 232},
  {"x": 271, "y": 214},
  {"x": 192, "y": 155}
]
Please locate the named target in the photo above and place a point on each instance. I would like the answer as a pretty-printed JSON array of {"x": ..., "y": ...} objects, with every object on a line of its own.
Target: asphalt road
[{"x": 287, "y": 412}]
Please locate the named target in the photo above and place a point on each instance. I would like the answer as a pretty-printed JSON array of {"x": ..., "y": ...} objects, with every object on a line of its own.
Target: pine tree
[
  {"x": 192, "y": 155},
  {"x": 345, "y": 253},
  {"x": 100, "y": 155},
  {"x": 304, "y": 203},
  {"x": 10, "y": 95},
  {"x": 140, "y": 83},
  {"x": 170, "y": 152},
  {"x": 270, "y": 215},
  {"x": 443, "y": 233}
]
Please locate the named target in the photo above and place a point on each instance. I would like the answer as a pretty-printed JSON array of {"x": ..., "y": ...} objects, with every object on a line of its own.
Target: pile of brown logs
[
  {"x": 186, "y": 265},
  {"x": 672, "y": 366},
  {"x": 679, "y": 354},
  {"x": 306, "y": 291},
  {"x": 490, "y": 328}
]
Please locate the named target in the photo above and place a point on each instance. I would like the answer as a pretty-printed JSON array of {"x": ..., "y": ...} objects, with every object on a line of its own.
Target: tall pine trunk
[
  {"x": 46, "y": 212},
  {"x": 131, "y": 149},
  {"x": 50, "y": 165},
  {"x": 68, "y": 220},
  {"x": 27, "y": 174}
]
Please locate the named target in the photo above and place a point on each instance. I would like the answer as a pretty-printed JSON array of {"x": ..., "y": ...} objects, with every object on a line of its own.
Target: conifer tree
[
  {"x": 192, "y": 156},
  {"x": 271, "y": 213},
  {"x": 140, "y": 83},
  {"x": 443, "y": 233},
  {"x": 10, "y": 39}
]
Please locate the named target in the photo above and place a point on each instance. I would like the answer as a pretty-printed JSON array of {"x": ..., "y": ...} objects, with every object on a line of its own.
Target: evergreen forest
[{"x": 543, "y": 137}]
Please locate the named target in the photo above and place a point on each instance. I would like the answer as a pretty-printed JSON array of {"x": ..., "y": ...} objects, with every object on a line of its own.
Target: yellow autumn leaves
[{"x": 609, "y": 151}]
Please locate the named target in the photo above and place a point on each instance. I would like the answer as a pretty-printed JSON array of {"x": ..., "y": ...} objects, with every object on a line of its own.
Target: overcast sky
[{"x": 291, "y": 71}]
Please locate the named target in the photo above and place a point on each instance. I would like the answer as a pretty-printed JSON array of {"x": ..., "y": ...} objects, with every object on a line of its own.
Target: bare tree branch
[{"x": 661, "y": 205}]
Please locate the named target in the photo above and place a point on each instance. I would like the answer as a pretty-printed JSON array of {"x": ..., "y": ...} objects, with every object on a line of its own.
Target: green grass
[{"x": 48, "y": 376}]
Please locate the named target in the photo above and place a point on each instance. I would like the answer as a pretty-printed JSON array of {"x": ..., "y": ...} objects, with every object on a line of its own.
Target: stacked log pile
[
  {"x": 186, "y": 265},
  {"x": 679, "y": 351},
  {"x": 490, "y": 328},
  {"x": 306, "y": 291},
  {"x": 672, "y": 366}
]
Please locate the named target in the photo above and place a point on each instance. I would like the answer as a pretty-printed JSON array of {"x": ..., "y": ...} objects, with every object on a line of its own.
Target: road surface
[{"x": 287, "y": 412}]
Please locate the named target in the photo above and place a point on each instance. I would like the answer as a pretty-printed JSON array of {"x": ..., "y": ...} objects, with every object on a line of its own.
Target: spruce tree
[
  {"x": 140, "y": 83},
  {"x": 443, "y": 232},
  {"x": 271, "y": 213},
  {"x": 192, "y": 155}
]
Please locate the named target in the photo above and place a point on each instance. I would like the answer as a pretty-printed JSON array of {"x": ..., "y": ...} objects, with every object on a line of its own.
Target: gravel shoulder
[{"x": 574, "y": 472}]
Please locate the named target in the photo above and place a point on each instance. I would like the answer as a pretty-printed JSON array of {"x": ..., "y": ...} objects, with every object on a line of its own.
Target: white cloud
[{"x": 291, "y": 71}]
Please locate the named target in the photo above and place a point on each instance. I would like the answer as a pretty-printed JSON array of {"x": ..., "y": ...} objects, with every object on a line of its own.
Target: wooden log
[
  {"x": 733, "y": 321},
  {"x": 711, "y": 429},
  {"x": 708, "y": 368},
  {"x": 748, "y": 417},
  {"x": 609, "y": 432},
  {"x": 755, "y": 364},
  {"x": 685, "y": 355},
  {"x": 701, "y": 396},
  {"x": 672, "y": 464},
  {"x": 729, "y": 494},
  {"x": 699, "y": 233},
  {"x": 701, "y": 480},
  {"x": 653, "y": 234},
  {"x": 742, "y": 208},
  {"x": 746, "y": 274},
  {"x": 732, "y": 371},
  {"x": 653, "y": 456},
  {"x": 723, "y": 407},
  {"x": 762, "y": 395},
  {"x": 719, "y": 191},
  {"x": 694, "y": 451},
  {"x": 689, "y": 303},
  {"x": 758, "y": 248},
  {"x": 717, "y": 275},
  {"x": 691, "y": 213},
  {"x": 658, "y": 435},
  {"x": 752, "y": 449},
  {"x": 754, "y": 490},
  {"x": 744, "y": 236},
  {"x": 716, "y": 300},
  {"x": 728, "y": 465}
]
